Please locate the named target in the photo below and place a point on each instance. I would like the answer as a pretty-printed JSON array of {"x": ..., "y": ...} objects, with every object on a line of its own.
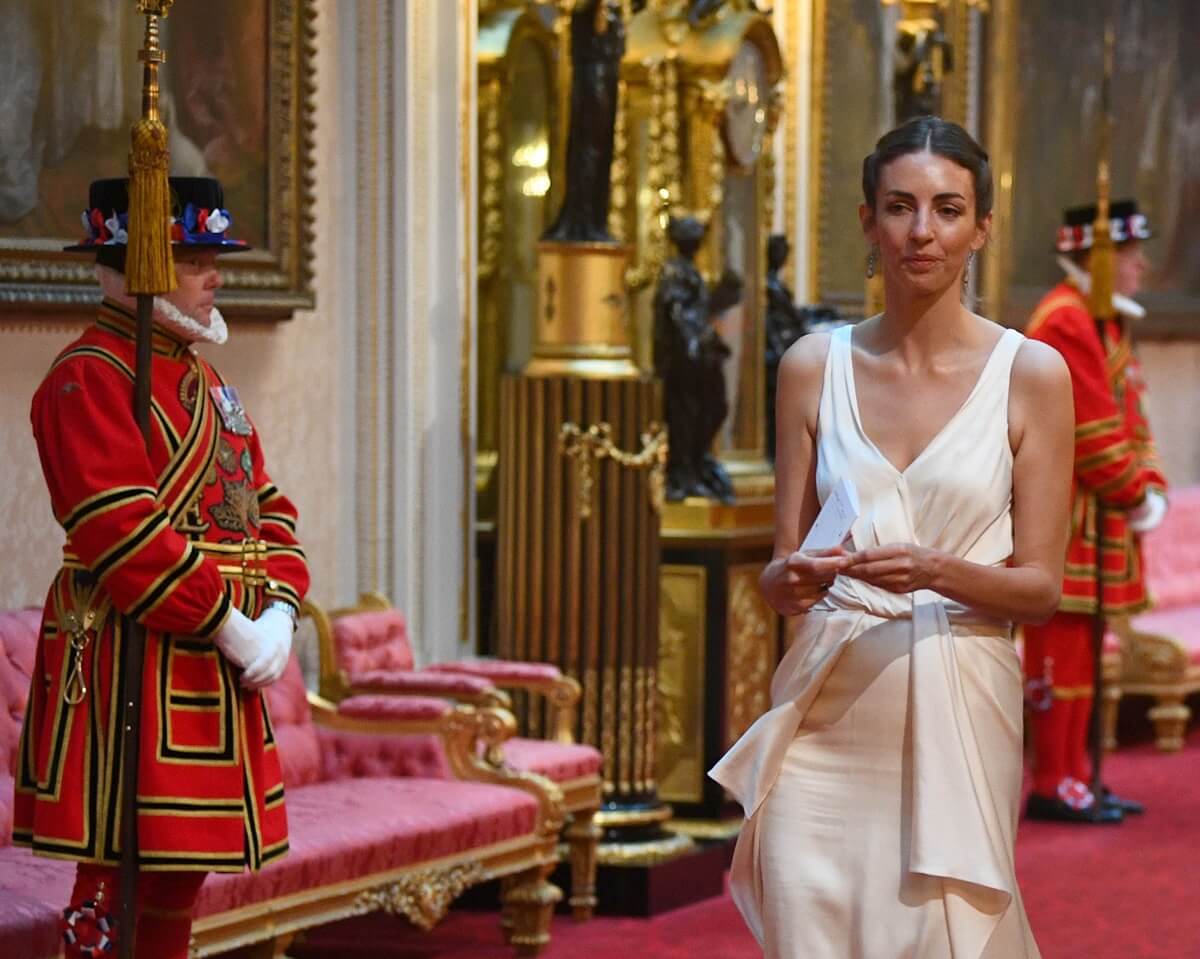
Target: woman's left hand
[{"x": 898, "y": 568}]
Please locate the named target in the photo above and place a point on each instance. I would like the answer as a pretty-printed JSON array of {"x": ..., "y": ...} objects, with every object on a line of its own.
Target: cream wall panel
[
  {"x": 30, "y": 539},
  {"x": 1172, "y": 371}
]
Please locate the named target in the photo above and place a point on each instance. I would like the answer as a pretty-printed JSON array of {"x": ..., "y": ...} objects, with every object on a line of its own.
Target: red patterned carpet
[{"x": 1123, "y": 892}]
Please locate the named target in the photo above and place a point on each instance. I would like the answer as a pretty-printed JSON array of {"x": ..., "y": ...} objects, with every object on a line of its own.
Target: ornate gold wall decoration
[
  {"x": 681, "y": 682},
  {"x": 851, "y": 108},
  {"x": 751, "y": 652},
  {"x": 619, "y": 199},
  {"x": 519, "y": 70},
  {"x": 656, "y": 91},
  {"x": 423, "y": 898},
  {"x": 491, "y": 179},
  {"x": 702, "y": 107}
]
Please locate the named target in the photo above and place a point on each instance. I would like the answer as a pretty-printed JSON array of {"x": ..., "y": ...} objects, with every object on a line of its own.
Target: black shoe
[
  {"x": 1128, "y": 807},
  {"x": 1046, "y": 809}
]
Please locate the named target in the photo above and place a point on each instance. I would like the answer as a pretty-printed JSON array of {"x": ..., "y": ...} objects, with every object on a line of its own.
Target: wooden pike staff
[
  {"x": 1103, "y": 268},
  {"x": 149, "y": 270}
]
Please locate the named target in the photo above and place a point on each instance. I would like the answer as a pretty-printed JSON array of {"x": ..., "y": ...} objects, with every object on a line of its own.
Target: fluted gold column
[{"x": 582, "y": 460}]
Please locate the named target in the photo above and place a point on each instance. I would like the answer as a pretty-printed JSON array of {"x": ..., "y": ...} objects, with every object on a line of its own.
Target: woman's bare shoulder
[
  {"x": 807, "y": 355},
  {"x": 802, "y": 373},
  {"x": 1039, "y": 372}
]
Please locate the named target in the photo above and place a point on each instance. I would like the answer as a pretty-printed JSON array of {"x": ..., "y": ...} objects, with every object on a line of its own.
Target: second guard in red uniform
[{"x": 1118, "y": 477}]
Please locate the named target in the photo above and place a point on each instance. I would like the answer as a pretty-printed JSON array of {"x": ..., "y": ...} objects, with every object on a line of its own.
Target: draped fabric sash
[{"x": 967, "y": 847}]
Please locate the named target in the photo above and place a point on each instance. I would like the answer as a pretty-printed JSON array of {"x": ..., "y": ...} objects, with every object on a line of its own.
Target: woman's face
[{"x": 924, "y": 221}]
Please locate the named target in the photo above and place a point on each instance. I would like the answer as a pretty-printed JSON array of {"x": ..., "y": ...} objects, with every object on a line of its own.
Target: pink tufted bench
[
  {"x": 396, "y": 812},
  {"x": 32, "y": 889},
  {"x": 1160, "y": 649},
  {"x": 366, "y": 649}
]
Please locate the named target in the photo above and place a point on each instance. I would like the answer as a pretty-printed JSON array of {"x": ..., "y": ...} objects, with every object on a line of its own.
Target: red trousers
[
  {"x": 1059, "y": 655},
  {"x": 164, "y": 912}
]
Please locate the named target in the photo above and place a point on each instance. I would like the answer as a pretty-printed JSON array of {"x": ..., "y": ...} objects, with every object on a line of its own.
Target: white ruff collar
[
  {"x": 1083, "y": 279},
  {"x": 166, "y": 314}
]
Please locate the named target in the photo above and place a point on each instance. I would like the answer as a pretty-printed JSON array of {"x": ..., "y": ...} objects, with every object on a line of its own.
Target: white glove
[
  {"x": 1149, "y": 513},
  {"x": 239, "y": 639},
  {"x": 275, "y": 626}
]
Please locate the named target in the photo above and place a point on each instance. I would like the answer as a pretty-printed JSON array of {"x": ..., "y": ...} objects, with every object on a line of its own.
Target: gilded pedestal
[
  {"x": 577, "y": 562},
  {"x": 581, "y": 470},
  {"x": 719, "y": 646}
]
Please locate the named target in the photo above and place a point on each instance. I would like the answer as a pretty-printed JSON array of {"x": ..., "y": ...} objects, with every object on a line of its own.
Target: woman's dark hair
[{"x": 940, "y": 137}]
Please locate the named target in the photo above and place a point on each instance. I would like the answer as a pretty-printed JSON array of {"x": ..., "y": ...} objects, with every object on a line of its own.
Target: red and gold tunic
[
  {"x": 173, "y": 538},
  {"x": 1115, "y": 459}
]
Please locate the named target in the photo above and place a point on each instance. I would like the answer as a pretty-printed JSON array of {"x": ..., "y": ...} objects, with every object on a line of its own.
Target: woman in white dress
[{"x": 882, "y": 788}]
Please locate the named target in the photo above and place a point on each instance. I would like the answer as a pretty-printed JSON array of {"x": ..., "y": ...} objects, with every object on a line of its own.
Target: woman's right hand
[{"x": 794, "y": 584}]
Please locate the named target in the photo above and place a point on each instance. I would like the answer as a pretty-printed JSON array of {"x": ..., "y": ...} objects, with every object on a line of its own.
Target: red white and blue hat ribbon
[
  {"x": 1072, "y": 239},
  {"x": 198, "y": 226}
]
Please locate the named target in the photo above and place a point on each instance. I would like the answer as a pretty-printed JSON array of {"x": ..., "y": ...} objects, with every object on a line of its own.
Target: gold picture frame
[
  {"x": 1044, "y": 135},
  {"x": 239, "y": 100},
  {"x": 852, "y": 106}
]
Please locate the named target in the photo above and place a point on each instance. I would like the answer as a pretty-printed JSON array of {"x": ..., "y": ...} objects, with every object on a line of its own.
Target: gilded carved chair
[
  {"x": 1160, "y": 648},
  {"x": 365, "y": 650}
]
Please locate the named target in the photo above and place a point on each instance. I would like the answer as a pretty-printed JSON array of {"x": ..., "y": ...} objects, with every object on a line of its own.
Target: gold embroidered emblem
[
  {"x": 193, "y": 526},
  {"x": 239, "y": 511},
  {"x": 226, "y": 456},
  {"x": 189, "y": 389}
]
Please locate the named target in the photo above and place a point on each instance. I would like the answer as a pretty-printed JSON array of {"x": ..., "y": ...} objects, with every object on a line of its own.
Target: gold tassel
[
  {"x": 149, "y": 266},
  {"x": 1103, "y": 270},
  {"x": 1102, "y": 263}
]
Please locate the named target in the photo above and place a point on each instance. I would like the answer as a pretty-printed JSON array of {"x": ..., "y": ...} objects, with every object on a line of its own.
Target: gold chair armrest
[
  {"x": 473, "y": 738},
  {"x": 495, "y": 697},
  {"x": 1149, "y": 657},
  {"x": 563, "y": 695}
]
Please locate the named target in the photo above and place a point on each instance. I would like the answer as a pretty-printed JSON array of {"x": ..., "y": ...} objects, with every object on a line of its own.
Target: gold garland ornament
[{"x": 595, "y": 443}]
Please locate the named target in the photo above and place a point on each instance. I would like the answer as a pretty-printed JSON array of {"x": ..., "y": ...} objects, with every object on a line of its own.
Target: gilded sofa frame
[{"x": 422, "y": 892}]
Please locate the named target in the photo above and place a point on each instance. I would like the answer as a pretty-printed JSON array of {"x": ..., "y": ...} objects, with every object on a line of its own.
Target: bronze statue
[
  {"x": 785, "y": 323},
  {"x": 689, "y": 356},
  {"x": 597, "y": 45},
  {"x": 924, "y": 56}
]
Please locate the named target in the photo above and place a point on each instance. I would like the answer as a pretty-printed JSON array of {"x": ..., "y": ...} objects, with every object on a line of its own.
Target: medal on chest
[{"x": 229, "y": 405}]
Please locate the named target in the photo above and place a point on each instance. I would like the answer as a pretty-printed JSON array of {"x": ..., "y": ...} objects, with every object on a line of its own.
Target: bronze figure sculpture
[
  {"x": 597, "y": 45},
  {"x": 786, "y": 322},
  {"x": 689, "y": 356},
  {"x": 924, "y": 55}
]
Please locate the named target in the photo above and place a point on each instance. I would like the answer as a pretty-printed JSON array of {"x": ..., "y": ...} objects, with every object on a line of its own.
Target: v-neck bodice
[{"x": 955, "y": 496}]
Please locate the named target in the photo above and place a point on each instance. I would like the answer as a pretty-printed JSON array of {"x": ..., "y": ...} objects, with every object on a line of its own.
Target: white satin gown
[{"x": 882, "y": 788}]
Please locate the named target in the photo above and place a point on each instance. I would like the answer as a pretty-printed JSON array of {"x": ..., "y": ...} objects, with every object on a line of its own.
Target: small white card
[{"x": 837, "y": 516}]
